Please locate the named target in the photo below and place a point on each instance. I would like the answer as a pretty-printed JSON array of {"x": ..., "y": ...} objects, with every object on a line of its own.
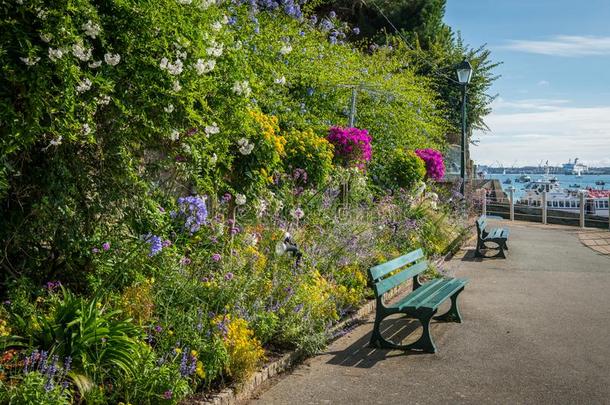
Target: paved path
[
  {"x": 536, "y": 331},
  {"x": 596, "y": 240}
]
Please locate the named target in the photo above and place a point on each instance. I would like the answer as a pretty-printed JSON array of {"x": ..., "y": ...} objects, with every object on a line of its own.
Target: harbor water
[{"x": 565, "y": 181}]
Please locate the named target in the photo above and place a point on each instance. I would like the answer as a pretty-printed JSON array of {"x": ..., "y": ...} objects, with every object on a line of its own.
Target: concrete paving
[{"x": 536, "y": 331}]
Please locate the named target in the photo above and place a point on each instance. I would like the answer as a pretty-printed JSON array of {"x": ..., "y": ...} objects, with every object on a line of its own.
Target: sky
[{"x": 554, "y": 94}]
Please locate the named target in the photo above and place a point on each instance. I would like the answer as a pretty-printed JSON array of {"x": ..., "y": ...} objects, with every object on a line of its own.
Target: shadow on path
[{"x": 360, "y": 354}]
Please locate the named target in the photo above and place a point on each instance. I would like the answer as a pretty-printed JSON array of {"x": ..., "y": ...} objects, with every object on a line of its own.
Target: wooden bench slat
[
  {"x": 381, "y": 270},
  {"x": 423, "y": 290},
  {"x": 434, "y": 300},
  {"x": 385, "y": 285},
  {"x": 416, "y": 301}
]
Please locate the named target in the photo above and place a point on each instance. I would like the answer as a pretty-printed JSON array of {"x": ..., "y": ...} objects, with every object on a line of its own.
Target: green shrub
[{"x": 404, "y": 169}]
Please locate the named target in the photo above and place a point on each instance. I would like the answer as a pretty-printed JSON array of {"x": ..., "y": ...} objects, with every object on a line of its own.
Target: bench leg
[
  {"x": 477, "y": 252},
  {"x": 424, "y": 343},
  {"x": 377, "y": 341},
  {"x": 453, "y": 315}
]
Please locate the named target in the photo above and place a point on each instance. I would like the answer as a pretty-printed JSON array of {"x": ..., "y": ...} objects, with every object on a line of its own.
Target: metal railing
[{"x": 543, "y": 213}]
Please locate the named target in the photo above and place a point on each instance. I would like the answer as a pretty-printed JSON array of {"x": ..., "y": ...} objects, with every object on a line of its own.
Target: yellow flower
[
  {"x": 200, "y": 370},
  {"x": 178, "y": 350},
  {"x": 170, "y": 332},
  {"x": 194, "y": 353}
]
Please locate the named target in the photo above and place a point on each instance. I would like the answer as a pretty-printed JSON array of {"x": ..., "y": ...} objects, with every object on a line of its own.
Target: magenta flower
[
  {"x": 216, "y": 257},
  {"x": 106, "y": 246},
  {"x": 229, "y": 276},
  {"x": 435, "y": 166},
  {"x": 168, "y": 394},
  {"x": 352, "y": 146}
]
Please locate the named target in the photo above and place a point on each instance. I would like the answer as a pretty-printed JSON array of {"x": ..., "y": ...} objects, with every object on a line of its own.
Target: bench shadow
[
  {"x": 360, "y": 355},
  {"x": 470, "y": 256}
]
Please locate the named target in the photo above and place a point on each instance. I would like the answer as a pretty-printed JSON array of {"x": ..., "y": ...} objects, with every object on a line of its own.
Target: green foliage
[
  {"x": 31, "y": 390},
  {"x": 84, "y": 330},
  {"x": 310, "y": 152},
  {"x": 405, "y": 169}
]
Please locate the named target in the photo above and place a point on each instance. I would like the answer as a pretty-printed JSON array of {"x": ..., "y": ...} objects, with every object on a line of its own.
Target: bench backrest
[
  {"x": 481, "y": 225},
  {"x": 379, "y": 274}
]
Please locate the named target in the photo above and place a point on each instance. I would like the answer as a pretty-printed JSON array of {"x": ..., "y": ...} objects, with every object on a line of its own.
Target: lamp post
[{"x": 464, "y": 74}]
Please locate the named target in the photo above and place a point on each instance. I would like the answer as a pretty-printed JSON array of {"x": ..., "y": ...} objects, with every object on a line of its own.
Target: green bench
[
  {"x": 421, "y": 303},
  {"x": 498, "y": 236}
]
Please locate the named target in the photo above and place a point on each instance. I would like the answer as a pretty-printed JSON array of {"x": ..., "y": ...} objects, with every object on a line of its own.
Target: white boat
[{"x": 557, "y": 198}]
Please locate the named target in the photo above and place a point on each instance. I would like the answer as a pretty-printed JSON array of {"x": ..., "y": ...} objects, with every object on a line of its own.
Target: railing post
[
  {"x": 512, "y": 203},
  {"x": 484, "y": 202},
  {"x": 544, "y": 208},
  {"x": 582, "y": 209}
]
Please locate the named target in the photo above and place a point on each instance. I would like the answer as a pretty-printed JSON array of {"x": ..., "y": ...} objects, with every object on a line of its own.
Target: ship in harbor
[
  {"x": 577, "y": 168},
  {"x": 557, "y": 198}
]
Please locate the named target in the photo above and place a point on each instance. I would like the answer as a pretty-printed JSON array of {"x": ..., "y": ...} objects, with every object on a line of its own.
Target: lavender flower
[
  {"x": 194, "y": 212},
  {"x": 156, "y": 244}
]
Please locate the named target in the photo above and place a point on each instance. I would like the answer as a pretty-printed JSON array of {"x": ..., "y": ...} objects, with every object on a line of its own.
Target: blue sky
[{"x": 554, "y": 93}]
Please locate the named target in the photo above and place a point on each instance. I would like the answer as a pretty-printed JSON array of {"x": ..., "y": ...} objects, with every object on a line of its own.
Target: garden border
[{"x": 237, "y": 394}]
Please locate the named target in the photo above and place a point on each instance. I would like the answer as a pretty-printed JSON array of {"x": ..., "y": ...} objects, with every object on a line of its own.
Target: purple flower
[
  {"x": 229, "y": 276},
  {"x": 216, "y": 257},
  {"x": 156, "y": 244},
  {"x": 356, "y": 31},
  {"x": 106, "y": 246},
  {"x": 185, "y": 261},
  {"x": 95, "y": 250},
  {"x": 332, "y": 14},
  {"x": 194, "y": 212},
  {"x": 166, "y": 243},
  {"x": 168, "y": 394},
  {"x": 226, "y": 197},
  {"x": 161, "y": 209},
  {"x": 158, "y": 329}
]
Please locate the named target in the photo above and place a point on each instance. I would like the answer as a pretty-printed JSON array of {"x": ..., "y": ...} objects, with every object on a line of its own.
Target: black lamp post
[{"x": 464, "y": 74}]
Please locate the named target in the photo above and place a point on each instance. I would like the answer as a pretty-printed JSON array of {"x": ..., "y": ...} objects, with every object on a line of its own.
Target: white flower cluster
[
  {"x": 211, "y": 129},
  {"x": 215, "y": 49},
  {"x": 185, "y": 2},
  {"x": 242, "y": 88},
  {"x": 55, "y": 54},
  {"x": 175, "y": 135},
  {"x": 203, "y": 67},
  {"x": 104, "y": 100},
  {"x": 217, "y": 26},
  {"x": 280, "y": 80},
  {"x": 30, "y": 61},
  {"x": 86, "y": 129},
  {"x": 245, "y": 147},
  {"x": 240, "y": 199},
  {"x": 81, "y": 52},
  {"x": 112, "y": 59},
  {"x": 286, "y": 49},
  {"x": 206, "y": 4},
  {"x": 213, "y": 160},
  {"x": 173, "y": 68},
  {"x": 84, "y": 85},
  {"x": 91, "y": 29},
  {"x": 169, "y": 109},
  {"x": 95, "y": 64},
  {"x": 176, "y": 86}
]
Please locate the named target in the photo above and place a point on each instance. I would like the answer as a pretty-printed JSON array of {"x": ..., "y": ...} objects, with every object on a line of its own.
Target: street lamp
[{"x": 464, "y": 74}]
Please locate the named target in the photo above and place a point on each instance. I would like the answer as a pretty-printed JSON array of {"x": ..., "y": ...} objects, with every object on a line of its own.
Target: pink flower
[
  {"x": 435, "y": 166},
  {"x": 352, "y": 146},
  {"x": 216, "y": 257},
  {"x": 106, "y": 246}
]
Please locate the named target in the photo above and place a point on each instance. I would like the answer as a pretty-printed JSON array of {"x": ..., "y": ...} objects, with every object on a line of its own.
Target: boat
[
  {"x": 600, "y": 183},
  {"x": 524, "y": 178},
  {"x": 508, "y": 181},
  {"x": 574, "y": 185},
  {"x": 557, "y": 198},
  {"x": 574, "y": 168}
]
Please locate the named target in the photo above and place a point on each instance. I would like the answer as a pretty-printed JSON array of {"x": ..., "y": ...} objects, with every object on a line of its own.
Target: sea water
[{"x": 565, "y": 181}]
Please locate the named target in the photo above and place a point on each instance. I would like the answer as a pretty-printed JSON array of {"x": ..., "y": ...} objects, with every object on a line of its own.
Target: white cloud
[
  {"x": 563, "y": 45},
  {"x": 533, "y": 130}
]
